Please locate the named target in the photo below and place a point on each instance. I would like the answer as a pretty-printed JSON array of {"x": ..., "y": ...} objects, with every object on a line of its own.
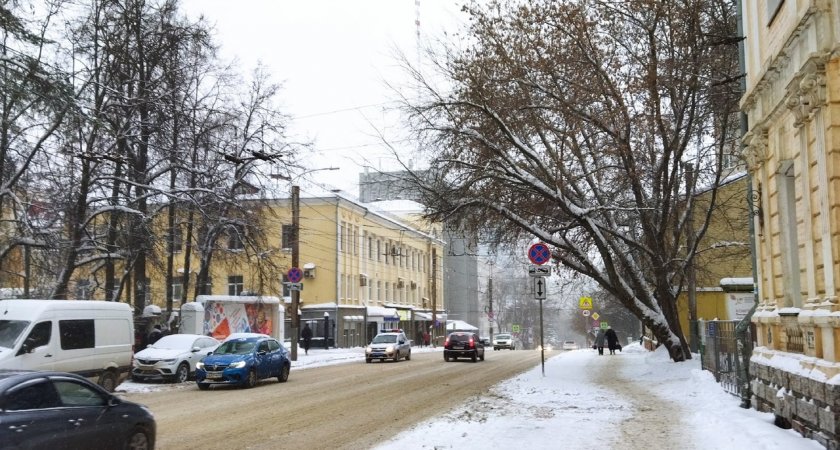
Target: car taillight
[
  {"x": 446, "y": 342},
  {"x": 472, "y": 343}
]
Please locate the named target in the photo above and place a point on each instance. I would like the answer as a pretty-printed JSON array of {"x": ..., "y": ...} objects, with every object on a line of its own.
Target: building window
[
  {"x": 286, "y": 291},
  {"x": 378, "y": 250},
  {"x": 177, "y": 238},
  {"x": 286, "y": 237},
  {"x": 773, "y": 7},
  {"x": 787, "y": 216},
  {"x": 177, "y": 292},
  {"x": 236, "y": 237},
  {"x": 235, "y": 284}
]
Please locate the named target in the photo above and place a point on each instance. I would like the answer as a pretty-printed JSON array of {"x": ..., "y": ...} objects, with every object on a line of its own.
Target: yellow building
[
  {"x": 723, "y": 268},
  {"x": 793, "y": 152},
  {"x": 363, "y": 269}
]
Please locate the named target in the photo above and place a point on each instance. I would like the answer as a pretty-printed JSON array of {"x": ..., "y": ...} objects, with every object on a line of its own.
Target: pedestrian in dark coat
[
  {"x": 599, "y": 342},
  {"x": 155, "y": 334},
  {"x": 306, "y": 334},
  {"x": 612, "y": 340}
]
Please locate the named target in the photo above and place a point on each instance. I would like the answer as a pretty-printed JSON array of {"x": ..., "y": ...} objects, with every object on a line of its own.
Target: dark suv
[{"x": 463, "y": 344}]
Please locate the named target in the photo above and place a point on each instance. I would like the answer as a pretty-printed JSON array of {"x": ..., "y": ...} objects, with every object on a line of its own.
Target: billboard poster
[{"x": 221, "y": 318}]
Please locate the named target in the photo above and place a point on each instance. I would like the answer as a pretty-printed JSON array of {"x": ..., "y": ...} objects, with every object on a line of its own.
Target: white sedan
[
  {"x": 172, "y": 357},
  {"x": 570, "y": 345}
]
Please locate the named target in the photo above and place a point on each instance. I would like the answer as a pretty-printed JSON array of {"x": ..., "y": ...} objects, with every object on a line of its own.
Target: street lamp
[{"x": 326, "y": 330}]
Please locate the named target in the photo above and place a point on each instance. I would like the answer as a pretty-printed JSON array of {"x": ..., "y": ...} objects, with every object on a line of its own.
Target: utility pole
[
  {"x": 295, "y": 317},
  {"x": 434, "y": 294},
  {"x": 692, "y": 278},
  {"x": 492, "y": 317}
]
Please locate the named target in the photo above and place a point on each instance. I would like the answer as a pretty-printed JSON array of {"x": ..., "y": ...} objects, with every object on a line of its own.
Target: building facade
[
  {"x": 460, "y": 257},
  {"x": 364, "y": 270},
  {"x": 792, "y": 147}
]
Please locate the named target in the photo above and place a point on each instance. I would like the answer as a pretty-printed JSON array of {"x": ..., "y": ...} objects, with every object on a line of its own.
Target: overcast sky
[{"x": 333, "y": 58}]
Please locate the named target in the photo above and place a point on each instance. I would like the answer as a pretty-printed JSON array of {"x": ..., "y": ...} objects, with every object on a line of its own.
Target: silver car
[
  {"x": 504, "y": 340},
  {"x": 390, "y": 344},
  {"x": 172, "y": 357}
]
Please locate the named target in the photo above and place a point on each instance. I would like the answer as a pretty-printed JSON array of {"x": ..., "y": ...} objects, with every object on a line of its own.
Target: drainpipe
[{"x": 743, "y": 326}]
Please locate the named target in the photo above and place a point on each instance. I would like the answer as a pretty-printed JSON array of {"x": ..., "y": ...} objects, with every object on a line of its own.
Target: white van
[{"x": 91, "y": 338}]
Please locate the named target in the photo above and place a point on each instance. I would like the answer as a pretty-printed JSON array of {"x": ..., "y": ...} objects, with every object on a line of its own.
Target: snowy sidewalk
[{"x": 631, "y": 400}]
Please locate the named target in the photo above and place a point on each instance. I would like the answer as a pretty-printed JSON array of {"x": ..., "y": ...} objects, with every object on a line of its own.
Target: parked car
[
  {"x": 389, "y": 344},
  {"x": 570, "y": 345},
  {"x": 244, "y": 361},
  {"x": 91, "y": 338},
  {"x": 62, "y": 410},
  {"x": 463, "y": 344},
  {"x": 172, "y": 357},
  {"x": 504, "y": 340}
]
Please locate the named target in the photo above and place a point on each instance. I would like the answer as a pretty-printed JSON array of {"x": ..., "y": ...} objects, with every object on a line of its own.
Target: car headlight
[
  {"x": 390, "y": 349},
  {"x": 168, "y": 361},
  {"x": 367, "y": 349},
  {"x": 199, "y": 365},
  {"x": 237, "y": 365}
]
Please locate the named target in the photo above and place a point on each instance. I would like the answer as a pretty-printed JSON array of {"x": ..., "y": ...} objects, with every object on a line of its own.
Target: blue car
[{"x": 243, "y": 361}]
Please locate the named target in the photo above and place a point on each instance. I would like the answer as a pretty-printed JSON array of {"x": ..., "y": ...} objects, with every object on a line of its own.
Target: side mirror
[
  {"x": 195, "y": 349},
  {"x": 113, "y": 401},
  {"x": 261, "y": 352},
  {"x": 209, "y": 353}
]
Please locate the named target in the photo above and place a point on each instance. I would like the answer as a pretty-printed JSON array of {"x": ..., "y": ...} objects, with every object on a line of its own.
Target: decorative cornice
[{"x": 806, "y": 93}]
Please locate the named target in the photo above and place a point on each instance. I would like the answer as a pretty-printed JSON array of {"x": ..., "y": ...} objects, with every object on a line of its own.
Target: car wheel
[
  {"x": 408, "y": 356},
  {"x": 108, "y": 380},
  {"x": 446, "y": 358},
  {"x": 182, "y": 374},
  {"x": 138, "y": 440},
  {"x": 368, "y": 360},
  {"x": 284, "y": 374},
  {"x": 482, "y": 356},
  {"x": 203, "y": 386},
  {"x": 251, "y": 381},
  {"x": 474, "y": 358},
  {"x": 397, "y": 357}
]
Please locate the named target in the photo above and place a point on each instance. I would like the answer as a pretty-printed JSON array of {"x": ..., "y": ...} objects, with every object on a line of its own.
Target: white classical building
[{"x": 792, "y": 147}]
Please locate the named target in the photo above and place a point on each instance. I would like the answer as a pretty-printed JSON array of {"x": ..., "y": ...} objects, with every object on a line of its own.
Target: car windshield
[
  {"x": 10, "y": 331},
  {"x": 235, "y": 348},
  {"x": 570, "y": 342},
  {"x": 502, "y": 336},
  {"x": 175, "y": 342},
  {"x": 385, "y": 339}
]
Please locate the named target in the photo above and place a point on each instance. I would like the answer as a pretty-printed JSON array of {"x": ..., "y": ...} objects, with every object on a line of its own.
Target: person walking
[
  {"x": 306, "y": 334},
  {"x": 599, "y": 342},
  {"x": 612, "y": 340},
  {"x": 155, "y": 334}
]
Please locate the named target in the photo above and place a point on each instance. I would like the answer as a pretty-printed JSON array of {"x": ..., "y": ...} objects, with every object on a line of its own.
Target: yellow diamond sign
[
  {"x": 585, "y": 303},
  {"x": 595, "y": 316}
]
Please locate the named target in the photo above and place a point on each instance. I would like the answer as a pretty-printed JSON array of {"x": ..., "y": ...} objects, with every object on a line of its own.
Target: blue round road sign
[
  {"x": 538, "y": 253},
  {"x": 294, "y": 275}
]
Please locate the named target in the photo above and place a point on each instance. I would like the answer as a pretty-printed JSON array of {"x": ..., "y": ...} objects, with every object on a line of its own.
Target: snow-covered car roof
[{"x": 245, "y": 335}]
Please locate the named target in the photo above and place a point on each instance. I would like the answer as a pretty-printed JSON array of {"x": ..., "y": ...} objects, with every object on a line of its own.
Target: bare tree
[{"x": 589, "y": 125}]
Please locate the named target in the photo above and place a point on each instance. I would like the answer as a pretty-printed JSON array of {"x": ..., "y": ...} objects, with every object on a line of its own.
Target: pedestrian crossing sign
[{"x": 585, "y": 303}]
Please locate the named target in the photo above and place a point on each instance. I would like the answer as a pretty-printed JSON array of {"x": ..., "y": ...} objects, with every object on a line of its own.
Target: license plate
[{"x": 214, "y": 375}]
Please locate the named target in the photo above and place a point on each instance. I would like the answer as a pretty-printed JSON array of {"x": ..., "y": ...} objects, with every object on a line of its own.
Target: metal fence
[{"x": 727, "y": 355}]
